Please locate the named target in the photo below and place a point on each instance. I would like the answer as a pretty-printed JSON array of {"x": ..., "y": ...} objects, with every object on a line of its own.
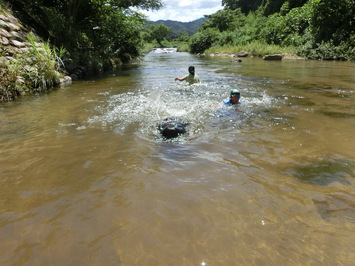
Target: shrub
[
  {"x": 36, "y": 70},
  {"x": 201, "y": 41}
]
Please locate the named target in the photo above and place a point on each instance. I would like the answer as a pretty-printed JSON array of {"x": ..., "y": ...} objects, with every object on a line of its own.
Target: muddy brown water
[{"x": 86, "y": 180}]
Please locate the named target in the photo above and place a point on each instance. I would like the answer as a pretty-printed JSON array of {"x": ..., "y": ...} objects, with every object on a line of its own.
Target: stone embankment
[{"x": 14, "y": 44}]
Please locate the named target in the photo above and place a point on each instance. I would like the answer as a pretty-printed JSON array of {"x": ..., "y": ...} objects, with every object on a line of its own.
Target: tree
[
  {"x": 90, "y": 30},
  {"x": 296, "y": 3},
  {"x": 332, "y": 20},
  {"x": 225, "y": 19},
  {"x": 201, "y": 41},
  {"x": 143, "y": 4},
  {"x": 183, "y": 36},
  {"x": 272, "y": 6},
  {"x": 245, "y": 5},
  {"x": 159, "y": 32}
]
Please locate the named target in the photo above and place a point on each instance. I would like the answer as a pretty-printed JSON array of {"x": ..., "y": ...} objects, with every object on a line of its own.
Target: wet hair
[
  {"x": 192, "y": 70},
  {"x": 172, "y": 127}
]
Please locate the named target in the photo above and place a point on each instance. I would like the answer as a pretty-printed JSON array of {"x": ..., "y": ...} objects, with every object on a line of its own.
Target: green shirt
[{"x": 191, "y": 79}]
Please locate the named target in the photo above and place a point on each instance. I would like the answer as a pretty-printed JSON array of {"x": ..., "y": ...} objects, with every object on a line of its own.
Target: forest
[
  {"x": 314, "y": 29},
  {"x": 94, "y": 30}
]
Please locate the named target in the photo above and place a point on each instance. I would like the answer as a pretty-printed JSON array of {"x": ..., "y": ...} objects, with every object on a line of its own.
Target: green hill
[{"x": 177, "y": 26}]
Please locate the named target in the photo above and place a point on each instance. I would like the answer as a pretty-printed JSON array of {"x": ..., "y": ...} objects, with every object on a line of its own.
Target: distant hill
[{"x": 177, "y": 26}]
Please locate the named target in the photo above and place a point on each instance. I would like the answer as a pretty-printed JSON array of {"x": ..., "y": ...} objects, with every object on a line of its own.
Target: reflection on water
[
  {"x": 325, "y": 172},
  {"x": 85, "y": 180}
]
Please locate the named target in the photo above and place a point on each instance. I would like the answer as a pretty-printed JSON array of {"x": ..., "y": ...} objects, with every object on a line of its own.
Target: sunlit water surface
[{"x": 85, "y": 178}]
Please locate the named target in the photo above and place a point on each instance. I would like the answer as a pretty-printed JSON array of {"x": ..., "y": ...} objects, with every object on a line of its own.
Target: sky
[{"x": 184, "y": 10}]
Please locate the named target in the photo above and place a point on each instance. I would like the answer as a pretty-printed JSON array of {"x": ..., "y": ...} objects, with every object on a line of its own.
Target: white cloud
[{"x": 184, "y": 10}]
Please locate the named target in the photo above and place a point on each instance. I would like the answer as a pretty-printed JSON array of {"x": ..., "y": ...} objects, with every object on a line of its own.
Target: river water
[{"x": 86, "y": 180}]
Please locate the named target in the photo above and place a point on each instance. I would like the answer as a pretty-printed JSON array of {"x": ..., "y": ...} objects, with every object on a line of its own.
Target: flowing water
[{"x": 85, "y": 178}]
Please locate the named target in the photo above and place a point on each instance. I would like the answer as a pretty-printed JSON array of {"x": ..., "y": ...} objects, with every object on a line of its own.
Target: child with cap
[{"x": 233, "y": 98}]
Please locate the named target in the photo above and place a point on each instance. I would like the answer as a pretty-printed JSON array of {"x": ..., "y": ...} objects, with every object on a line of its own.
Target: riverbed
[{"x": 86, "y": 179}]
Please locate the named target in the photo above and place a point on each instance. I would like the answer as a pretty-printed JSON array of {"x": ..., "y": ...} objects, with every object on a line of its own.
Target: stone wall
[{"x": 12, "y": 37}]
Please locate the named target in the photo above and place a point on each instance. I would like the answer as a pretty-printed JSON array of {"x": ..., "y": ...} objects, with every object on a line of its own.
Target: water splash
[{"x": 199, "y": 105}]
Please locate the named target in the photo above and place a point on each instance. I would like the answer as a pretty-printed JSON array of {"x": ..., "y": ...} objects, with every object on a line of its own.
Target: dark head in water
[
  {"x": 172, "y": 127},
  {"x": 192, "y": 70}
]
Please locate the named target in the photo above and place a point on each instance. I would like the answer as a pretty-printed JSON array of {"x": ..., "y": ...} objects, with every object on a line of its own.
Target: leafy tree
[
  {"x": 245, "y": 5},
  {"x": 272, "y": 6},
  {"x": 286, "y": 29},
  {"x": 144, "y": 4},
  {"x": 322, "y": 29},
  {"x": 296, "y": 3},
  {"x": 225, "y": 19},
  {"x": 92, "y": 30},
  {"x": 183, "y": 36},
  {"x": 201, "y": 41},
  {"x": 158, "y": 32},
  {"x": 332, "y": 20}
]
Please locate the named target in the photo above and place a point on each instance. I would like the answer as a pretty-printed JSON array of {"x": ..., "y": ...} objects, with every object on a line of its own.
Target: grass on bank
[
  {"x": 254, "y": 49},
  {"x": 33, "y": 71}
]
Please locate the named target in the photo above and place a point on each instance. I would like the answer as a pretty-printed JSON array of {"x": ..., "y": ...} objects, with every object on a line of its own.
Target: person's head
[
  {"x": 234, "y": 96},
  {"x": 172, "y": 127},
  {"x": 192, "y": 70}
]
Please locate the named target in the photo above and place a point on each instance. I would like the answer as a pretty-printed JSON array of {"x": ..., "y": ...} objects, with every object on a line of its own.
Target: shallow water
[{"x": 86, "y": 180}]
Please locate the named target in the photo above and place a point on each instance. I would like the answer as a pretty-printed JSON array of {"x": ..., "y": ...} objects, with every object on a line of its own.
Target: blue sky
[{"x": 184, "y": 10}]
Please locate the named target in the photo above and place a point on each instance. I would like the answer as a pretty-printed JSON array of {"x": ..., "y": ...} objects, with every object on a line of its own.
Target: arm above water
[{"x": 181, "y": 79}]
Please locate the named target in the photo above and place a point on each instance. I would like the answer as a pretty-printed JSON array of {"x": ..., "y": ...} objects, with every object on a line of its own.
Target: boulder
[
  {"x": 66, "y": 80},
  {"x": 242, "y": 54},
  {"x": 275, "y": 57}
]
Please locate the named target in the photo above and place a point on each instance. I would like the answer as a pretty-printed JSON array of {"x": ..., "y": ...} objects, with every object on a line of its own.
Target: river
[{"x": 85, "y": 178}]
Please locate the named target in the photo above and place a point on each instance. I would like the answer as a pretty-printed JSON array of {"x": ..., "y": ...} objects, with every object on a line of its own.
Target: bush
[
  {"x": 34, "y": 71},
  {"x": 288, "y": 29},
  {"x": 328, "y": 51},
  {"x": 201, "y": 41},
  {"x": 332, "y": 20}
]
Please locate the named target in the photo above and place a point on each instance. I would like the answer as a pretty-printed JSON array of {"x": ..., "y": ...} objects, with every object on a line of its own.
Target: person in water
[
  {"x": 172, "y": 127},
  {"x": 234, "y": 97},
  {"x": 191, "y": 78}
]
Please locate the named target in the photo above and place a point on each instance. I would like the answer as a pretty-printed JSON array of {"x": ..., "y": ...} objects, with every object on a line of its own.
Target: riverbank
[
  {"x": 254, "y": 49},
  {"x": 27, "y": 63}
]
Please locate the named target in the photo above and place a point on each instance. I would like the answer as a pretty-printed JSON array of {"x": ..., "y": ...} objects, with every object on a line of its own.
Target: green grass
[
  {"x": 34, "y": 71},
  {"x": 254, "y": 49}
]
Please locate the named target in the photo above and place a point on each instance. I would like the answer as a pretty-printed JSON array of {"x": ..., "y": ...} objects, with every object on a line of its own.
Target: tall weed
[{"x": 33, "y": 71}]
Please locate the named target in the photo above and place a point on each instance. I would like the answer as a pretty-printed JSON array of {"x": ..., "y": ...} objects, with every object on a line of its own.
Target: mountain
[{"x": 177, "y": 26}]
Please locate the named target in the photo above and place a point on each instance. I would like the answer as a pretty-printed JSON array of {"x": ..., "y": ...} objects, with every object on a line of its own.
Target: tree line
[
  {"x": 90, "y": 31},
  {"x": 316, "y": 29},
  {"x": 93, "y": 31}
]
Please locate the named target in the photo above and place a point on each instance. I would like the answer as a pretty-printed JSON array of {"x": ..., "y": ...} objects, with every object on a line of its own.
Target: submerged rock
[{"x": 275, "y": 57}]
